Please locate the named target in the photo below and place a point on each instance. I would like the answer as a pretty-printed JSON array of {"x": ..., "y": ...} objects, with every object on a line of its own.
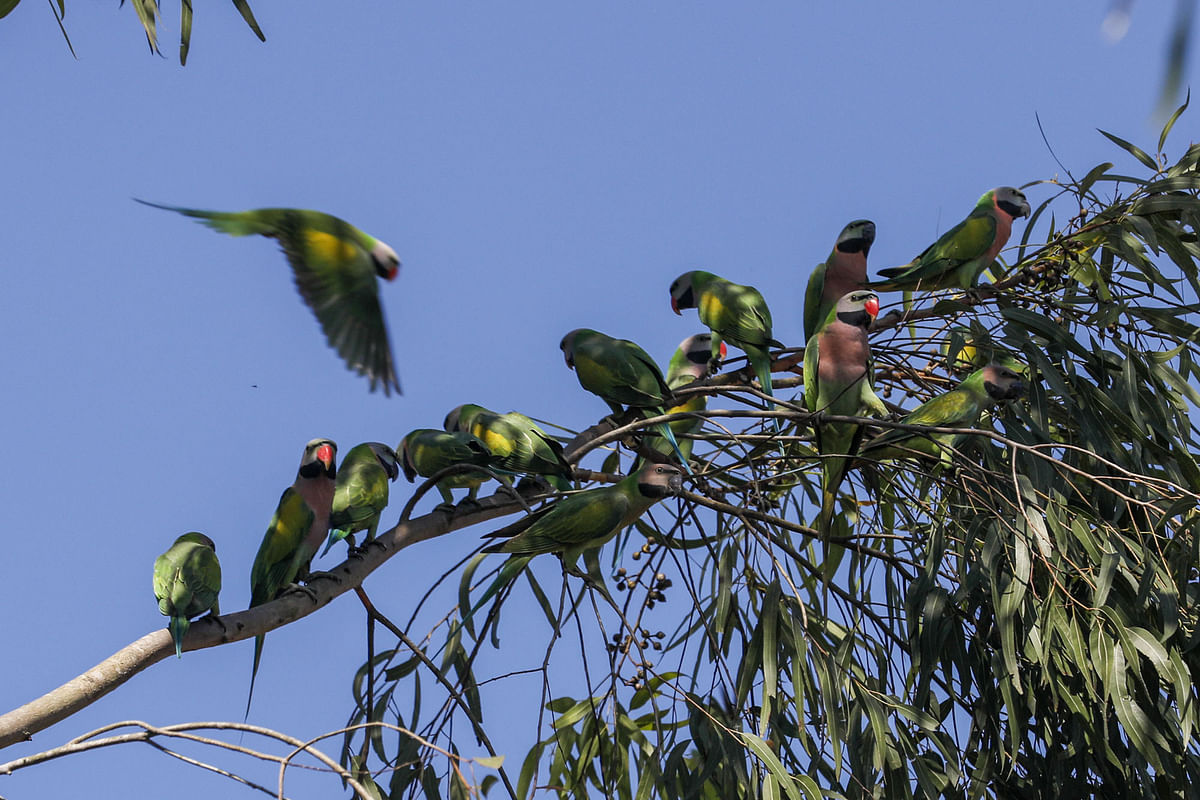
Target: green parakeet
[
  {"x": 187, "y": 580},
  {"x": 426, "y": 451},
  {"x": 360, "y": 493},
  {"x": 588, "y": 519},
  {"x": 958, "y": 408},
  {"x": 957, "y": 259},
  {"x": 845, "y": 271},
  {"x": 335, "y": 266},
  {"x": 688, "y": 364},
  {"x": 734, "y": 313},
  {"x": 297, "y": 529},
  {"x": 621, "y": 374},
  {"x": 517, "y": 443},
  {"x": 837, "y": 380}
]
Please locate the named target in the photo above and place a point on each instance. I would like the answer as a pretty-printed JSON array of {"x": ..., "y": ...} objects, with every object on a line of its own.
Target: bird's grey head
[
  {"x": 659, "y": 480},
  {"x": 451, "y": 421},
  {"x": 1002, "y": 383},
  {"x": 857, "y": 237},
  {"x": 320, "y": 458},
  {"x": 197, "y": 538},
  {"x": 1011, "y": 201},
  {"x": 858, "y": 308},
  {"x": 387, "y": 459},
  {"x": 682, "y": 294},
  {"x": 698, "y": 349},
  {"x": 567, "y": 345},
  {"x": 387, "y": 263}
]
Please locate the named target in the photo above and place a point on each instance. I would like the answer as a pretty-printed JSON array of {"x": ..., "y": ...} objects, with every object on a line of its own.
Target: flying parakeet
[
  {"x": 516, "y": 442},
  {"x": 735, "y": 314},
  {"x": 588, "y": 519},
  {"x": 957, "y": 259},
  {"x": 296, "y": 531},
  {"x": 335, "y": 266},
  {"x": 360, "y": 493},
  {"x": 837, "y": 380},
  {"x": 689, "y": 363},
  {"x": 426, "y": 451},
  {"x": 187, "y": 580},
  {"x": 620, "y": 373},
  {"x": 958, "y": 408},
  {"x": 845, "y": 271}
]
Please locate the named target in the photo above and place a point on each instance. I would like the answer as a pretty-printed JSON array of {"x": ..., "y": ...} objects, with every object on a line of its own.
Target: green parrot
[
  {"x": 958, "y": 408},
  {"x": 588, "y": 519},
  {"x": 187, "y": 580},
  {"x": 426, "y": 451},
  {"x": 959, "y": 257},
  {"x": 688, "y": 364},
  {"x": 517, "y": 443},
  {"x": 297, "y": 529},
  {"x": 620, "y": 373},
  {"x": 360, "y": 493},
  {"x": 734, "y": 313},
  {"x": 335, "y": 266},
  {"x": 837, "y": 380},
  {"x": 843, "y": 272}
]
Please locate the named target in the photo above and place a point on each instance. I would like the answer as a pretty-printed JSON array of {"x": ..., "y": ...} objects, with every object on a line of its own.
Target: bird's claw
[
  {"x": 295, "y": 587},
  {"x": 219, "y": 621},
  {"x": 445, "y": 508},
  {"x": 375, "y": 542}
]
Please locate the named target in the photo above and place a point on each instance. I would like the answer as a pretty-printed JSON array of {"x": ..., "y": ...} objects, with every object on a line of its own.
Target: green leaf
[
  {"x": 490, "y": 762},
  {"x": 248, "y": 15},
  {"x": 6, "y": 6},
  {"x": 766, "y": 755},
  {"x": 1132, "y": 149},
  {"x": 1162, "y": 138}
]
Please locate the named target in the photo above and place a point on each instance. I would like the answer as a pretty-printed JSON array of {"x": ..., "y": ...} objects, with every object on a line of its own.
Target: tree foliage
[{"x": 1021, "y": 618}]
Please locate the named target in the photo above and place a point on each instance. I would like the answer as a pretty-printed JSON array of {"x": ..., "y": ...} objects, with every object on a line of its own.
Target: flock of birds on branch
[{"x": 335, "y": 267}]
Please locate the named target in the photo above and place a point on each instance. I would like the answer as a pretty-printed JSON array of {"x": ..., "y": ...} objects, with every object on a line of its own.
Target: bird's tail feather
[
  {"x": 335, "y": 536},
  {"x": 258, "y": 646},
  {"x": 235, "y": 223},
  {"x": 178, "y": 626},
  {"x": 762, "y": 370},
  {"x": 665, "y": 431}
]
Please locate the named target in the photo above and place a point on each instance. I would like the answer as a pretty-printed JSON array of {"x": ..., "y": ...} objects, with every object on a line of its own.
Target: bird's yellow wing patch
[{"x": 328, "y": 248}]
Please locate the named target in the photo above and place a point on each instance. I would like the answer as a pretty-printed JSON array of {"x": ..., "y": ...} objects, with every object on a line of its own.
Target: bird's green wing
[
  {"x": 274, "y": 566},
  {"x": 336, "y": 277},
  {"x": 812, "y": 354},
  {"x": 967, "y": 240},
  {"x": 572, "y": 522},
  {"x": 201, "y": 576},
  {"x": 812, "y": 300}
]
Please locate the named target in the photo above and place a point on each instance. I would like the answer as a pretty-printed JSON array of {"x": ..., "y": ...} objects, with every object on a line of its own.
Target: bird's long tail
[
  {"x": 335, "y": 536},
  {"x": 258, "y": 646},
  {"x": 761, "y": 362},
  {"x": 665, "y": 431},
  {"x": 235, "y": 223},
  {"x": 178, "y": 626}
]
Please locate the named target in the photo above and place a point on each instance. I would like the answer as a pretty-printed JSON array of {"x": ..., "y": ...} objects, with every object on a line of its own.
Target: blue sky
[{"x": 538, "y": 167}]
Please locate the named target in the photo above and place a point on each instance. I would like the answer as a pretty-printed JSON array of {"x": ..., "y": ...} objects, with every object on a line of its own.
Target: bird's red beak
[
  {"x": 724, "y": 350},
  {"x": 872, "y": 307},
  {"x": 393, "y": 272},
  {"x": 325, "y": 455},
  {"x": 675, "y": 307}
]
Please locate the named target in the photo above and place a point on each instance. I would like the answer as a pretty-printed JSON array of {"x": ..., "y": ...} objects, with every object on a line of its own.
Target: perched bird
[
  {"x": 335, "y": 266},
  {"x": 688, "y": 365},
  {"x": 187, "y": 580},
  {"x": 517, "y": 443},
  {"x": 837, "y": 380},
  {"x": 360, "y": 493},
  {"x": 588, "y": 519},
  {"x": 621, "y": 374},
  {"x": 957, "y": 259},
  {"x": 427, "y": 451},
  {"x": 296, "y": 531},
  {"x": 958, "y": 408},
  {"x": 843, "y": 272},
  {"x": 734, "y": 313}
]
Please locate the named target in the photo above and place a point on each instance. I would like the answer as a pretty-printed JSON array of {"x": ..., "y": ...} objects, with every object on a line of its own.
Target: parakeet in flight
[
  {"x": 187, "y": 580},
  {"x": 588, "y": 519},
  {"x": 517, "y": 443},
  {"x": 845, "y": 271},
  {"x": 957, "y": 259},
  {"x": 837, "y": 380},
  {"x": 335, "y": 266},
  {"x": 958, "y": 408},
  {"x": 621, "y": 374},
  {"x": 427, "y": 451},
  {"x": 297, "y": 529},
  {"x": 360, "y": 492},
  {"x": 735, "y": 314}
]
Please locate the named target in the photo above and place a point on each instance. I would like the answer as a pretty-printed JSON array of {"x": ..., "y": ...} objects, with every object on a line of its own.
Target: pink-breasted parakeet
[
  {"x": 360, "y": 492},
  {"x": 620, "y": 373},
  {"x": 187, "y": 580},
  {"x": 296, "y": 531},
  {"x": 956, "y": 260},
  {"x": 335, "y": 266},
  {"x": 845, "y": 271}
]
